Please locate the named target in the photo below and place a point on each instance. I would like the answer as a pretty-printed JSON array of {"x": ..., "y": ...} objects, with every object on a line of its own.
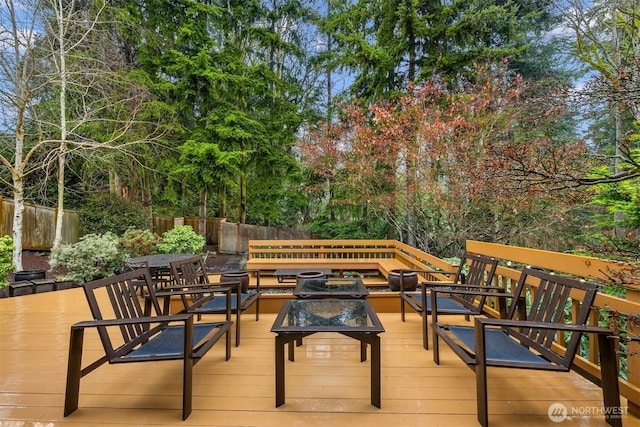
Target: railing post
[{"x": 633, "y": 351}]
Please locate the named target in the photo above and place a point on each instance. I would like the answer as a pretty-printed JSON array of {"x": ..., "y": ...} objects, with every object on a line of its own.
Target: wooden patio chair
[
  {"x": 467, "y": 292},
  {"x": 529, "y": 343},
  {"x": 128, "y": 335},
  {"x": 191, "y": 273}
]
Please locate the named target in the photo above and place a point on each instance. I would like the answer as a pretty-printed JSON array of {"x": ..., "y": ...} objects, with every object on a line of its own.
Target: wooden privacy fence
[
  {"x": 38, "y": 228},
  {"x": 39, "y": 225}
]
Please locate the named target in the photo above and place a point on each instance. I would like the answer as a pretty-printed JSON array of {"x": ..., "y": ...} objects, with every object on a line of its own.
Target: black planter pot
[
  {"x": 29, "y": 275},
  {"x": 410, "y": 280},
  {"x": 237, "y": 276}
]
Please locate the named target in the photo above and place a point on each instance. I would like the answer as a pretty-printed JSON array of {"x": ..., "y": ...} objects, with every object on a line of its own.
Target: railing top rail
[
  {"x": 322, "y": 243},
  {"x": 578, "y": 265}
]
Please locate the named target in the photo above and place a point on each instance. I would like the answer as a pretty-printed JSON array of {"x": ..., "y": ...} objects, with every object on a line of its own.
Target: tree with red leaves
[{"x": 441, "y": 167}]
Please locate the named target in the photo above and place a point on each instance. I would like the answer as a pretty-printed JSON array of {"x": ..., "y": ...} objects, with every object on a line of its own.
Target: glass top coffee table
[
  {"x": 354, "y": 318},
  {"x": 331, "y": 288}
]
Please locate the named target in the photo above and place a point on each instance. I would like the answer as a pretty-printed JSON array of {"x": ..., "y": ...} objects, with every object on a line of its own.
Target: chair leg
[
  {"x": 425, "y": 329},
  {"x": 74, "y": 371},
  {"x": 436, "y": 346},
  {"x": 227, "y": 341},
  {"x": 238, "y": 327},
  {"x": 187, "y": 370},
  {"x": 401, "y": 308},
  {"x": 610, "y": 386},
  {"x": 481, "y": 376}
]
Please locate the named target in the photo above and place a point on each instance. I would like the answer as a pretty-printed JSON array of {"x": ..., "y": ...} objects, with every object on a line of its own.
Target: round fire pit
[{"x": 309, "y": 275}]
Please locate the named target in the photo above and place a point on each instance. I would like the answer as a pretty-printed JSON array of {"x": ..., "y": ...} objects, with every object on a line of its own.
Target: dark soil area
[{"x": 39, "y": 260}]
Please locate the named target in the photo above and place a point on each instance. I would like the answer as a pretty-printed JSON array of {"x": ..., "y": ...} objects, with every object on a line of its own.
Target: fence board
[
  {"x": 39, "y": 229},
  {"x": 39, "y": 225}
]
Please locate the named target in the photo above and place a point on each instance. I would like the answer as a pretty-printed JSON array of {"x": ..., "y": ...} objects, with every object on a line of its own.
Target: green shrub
[
  {"x": 136, "y": 242},
  {"x": 6, "y": 259},
  {"x": 94, "y": 256},
  {"x": 181, "y": 240},
  {"x": 107, "y": 212}
]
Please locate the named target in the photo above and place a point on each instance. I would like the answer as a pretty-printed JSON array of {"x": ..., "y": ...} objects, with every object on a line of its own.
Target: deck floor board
[{"x": 327, "y": 385}]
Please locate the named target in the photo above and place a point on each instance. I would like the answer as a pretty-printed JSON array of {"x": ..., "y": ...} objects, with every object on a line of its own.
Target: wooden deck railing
[
  {"x": 273, "y": 254},
  {"x": 605, "y": 305}
]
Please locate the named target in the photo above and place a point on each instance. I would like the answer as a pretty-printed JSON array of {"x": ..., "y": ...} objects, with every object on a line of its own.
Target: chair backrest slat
[
  {"x": 116, "y": 298},
  {"x": 551, "y": 298},
  {"x": 481, "y": 271},
  {"x": 190, "y": 272}
]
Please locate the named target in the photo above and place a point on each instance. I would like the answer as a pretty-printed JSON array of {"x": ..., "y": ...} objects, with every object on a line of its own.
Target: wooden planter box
[
  {"x": 64, "y": 284},
  {"x": 23, "y": 287},
  {"x": 43, "y": 285}
]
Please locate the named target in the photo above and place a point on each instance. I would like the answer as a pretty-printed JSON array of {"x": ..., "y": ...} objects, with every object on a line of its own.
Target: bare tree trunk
[
  {"x": 202, "y": 217},
  {"x": 618, "y": 216},
  {"x": 222, "y": 197},
  {"x": 18, "y": 212},
  {"x": 18, "y": 69},
  {"x": 243, "y": 200},
  {"x": 62, "y": 159},
  {"x": 62, "y": 156}
]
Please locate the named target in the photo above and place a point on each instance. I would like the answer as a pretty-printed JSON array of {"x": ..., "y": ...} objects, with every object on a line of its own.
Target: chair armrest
[
  {"x": 209, "y": 290},
  {"x": 498, "y": 293},
  {"x": 193, "y": 289},
  {"x": 121, "y": 322},
  {"x": 484, "y": 322},
  {"x": 466, "y": 289},
  {"x": 487, "y": 291},
  {"x": 432, "y": 284}
]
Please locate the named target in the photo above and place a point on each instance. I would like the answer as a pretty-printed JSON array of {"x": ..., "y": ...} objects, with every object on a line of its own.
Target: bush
[
  {"x": 93, "y": 257},
  {"x": 136, "y": 242},
  {"x": 107, "y": 212},
  {"x": 6, "y": 261},
  {"x": 181, "y": 240}
]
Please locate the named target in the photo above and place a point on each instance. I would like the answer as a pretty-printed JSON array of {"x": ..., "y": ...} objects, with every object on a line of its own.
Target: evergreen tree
[{"x": 389, "y": 43}]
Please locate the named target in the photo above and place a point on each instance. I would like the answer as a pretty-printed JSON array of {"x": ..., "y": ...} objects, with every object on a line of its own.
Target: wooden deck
[{"x": 325, "y": 386}]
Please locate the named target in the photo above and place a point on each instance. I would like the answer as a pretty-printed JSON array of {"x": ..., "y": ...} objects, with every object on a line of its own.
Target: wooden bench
[
  {"x": 128, "y": 335},
  {"x": 340, "y": 255},
  {"x": 529, "y": 343},
  {"x": 341, "y": 265}
]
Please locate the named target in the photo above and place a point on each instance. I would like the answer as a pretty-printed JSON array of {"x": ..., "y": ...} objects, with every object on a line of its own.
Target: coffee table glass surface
[
  {"x": 331, "y": 288},
  {"x": 331, "y": 315}
]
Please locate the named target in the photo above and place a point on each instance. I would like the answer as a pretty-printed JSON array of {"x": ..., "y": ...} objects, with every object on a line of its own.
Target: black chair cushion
[
  {"x": 170, "y": 342},
  {"x": 499, "y": 346}
]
